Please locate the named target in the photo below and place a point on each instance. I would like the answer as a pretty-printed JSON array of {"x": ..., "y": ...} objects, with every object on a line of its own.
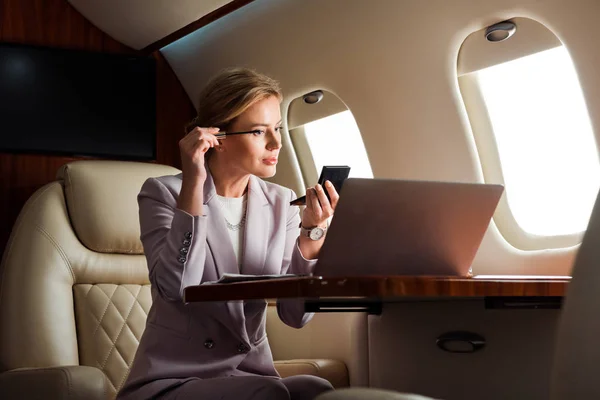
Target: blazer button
[
  {"x": 209, "y": 344},
  {"x": 188, "y": 235},
  {"x": 181, "y": 259},
  {"x": 186, "y": 243},
  {"x": 183, "y": 250},
  {"x": 242, "y": 348}
]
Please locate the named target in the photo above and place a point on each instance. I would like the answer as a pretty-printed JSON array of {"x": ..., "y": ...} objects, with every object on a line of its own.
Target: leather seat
[{"x": 74, "y": 289}]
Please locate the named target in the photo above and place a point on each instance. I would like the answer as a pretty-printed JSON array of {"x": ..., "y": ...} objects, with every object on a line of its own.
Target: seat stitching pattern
[
  {"x": 110, "y": 382},
  {"x": 110, "y": 295},
  {"x": 136, "y": 339},
  {"x": 106, "y": 309},
  {"x": 120, "y": 331}
]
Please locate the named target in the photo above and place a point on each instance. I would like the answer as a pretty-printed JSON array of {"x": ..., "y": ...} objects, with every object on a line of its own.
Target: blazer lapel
[
  {"x": 256, "y": 231},
  {"x": 217, "y": 236}
]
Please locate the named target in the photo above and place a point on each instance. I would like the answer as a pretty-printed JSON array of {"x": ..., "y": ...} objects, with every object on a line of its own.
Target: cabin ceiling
[{"x": 139, "y": 23}]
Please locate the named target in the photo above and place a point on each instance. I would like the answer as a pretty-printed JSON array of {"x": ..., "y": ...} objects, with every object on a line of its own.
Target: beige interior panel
[
  {"x": 304, "y": 155},
  {"x": 301, "y": 113},
  {"x": 394, "y": 66},
  {"x": 515, "y": 362},
  {"x": 529, "y": 38},
  {"x": 337, "y": 336}
]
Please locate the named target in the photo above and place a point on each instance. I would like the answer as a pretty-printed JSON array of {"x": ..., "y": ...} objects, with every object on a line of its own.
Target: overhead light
[
  {"x": 500, "y": 31},
  {"x": 313, "y": 97}
]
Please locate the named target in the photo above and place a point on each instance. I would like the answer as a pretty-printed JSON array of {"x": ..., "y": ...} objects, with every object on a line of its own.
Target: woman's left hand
[{"x": 318, "y": 207}]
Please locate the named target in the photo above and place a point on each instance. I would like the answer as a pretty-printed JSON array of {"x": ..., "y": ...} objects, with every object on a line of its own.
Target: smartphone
[{"x": 336, "y": 174}]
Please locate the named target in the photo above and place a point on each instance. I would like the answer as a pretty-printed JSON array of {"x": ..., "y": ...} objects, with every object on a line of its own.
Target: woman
[{"x": 218, "y": 217}]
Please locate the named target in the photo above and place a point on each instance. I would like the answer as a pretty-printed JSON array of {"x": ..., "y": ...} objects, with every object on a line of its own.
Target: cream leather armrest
[
  {"x": 333, "y": 370},
  {"x": 68, "y": 382}
]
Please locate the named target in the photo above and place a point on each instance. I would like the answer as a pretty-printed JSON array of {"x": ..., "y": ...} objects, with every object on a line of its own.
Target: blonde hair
[{"x": 228, "y": 94}]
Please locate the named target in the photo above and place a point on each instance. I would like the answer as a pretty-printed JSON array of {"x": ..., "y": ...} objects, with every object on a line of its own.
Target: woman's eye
[
  {"x": 278, "y": 129},
  {"x": 258, "y": 132}
]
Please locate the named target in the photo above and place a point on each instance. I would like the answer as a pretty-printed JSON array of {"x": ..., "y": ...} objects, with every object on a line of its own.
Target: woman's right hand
[{"x": 193, "y": 147}]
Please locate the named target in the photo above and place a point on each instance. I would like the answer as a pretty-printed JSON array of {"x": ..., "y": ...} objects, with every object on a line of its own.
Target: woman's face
[{"x": 255, "y": 154}]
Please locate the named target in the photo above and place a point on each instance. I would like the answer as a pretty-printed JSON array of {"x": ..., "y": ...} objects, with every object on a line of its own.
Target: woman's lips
[{"x": 270, "y": 161}]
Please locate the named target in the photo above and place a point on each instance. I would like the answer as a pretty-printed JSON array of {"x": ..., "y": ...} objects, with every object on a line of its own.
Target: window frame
[{"x": 299, "y": 114}]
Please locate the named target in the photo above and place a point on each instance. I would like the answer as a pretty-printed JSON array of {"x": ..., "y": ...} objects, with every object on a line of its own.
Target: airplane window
[
  {"x": 336, "y": 140},
  {"x": 545, "y": 142}
]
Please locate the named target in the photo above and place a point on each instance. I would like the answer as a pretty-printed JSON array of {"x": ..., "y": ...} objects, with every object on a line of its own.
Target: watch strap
[{"x": 306, "y": 231}]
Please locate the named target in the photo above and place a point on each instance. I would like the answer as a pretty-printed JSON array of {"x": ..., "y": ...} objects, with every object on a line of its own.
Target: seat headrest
[{"x": 101, "y": 199}]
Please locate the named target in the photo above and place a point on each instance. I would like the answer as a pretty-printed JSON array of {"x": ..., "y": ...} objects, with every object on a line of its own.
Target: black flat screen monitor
[{"x": 77, "y": 103}]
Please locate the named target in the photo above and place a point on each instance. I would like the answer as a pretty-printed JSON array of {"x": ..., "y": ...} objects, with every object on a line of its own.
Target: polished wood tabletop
[{"x": 379, "y": 287}]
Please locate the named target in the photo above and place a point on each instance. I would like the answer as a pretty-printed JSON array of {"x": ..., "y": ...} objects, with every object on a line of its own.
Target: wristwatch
[{"x": 314, "y": 233}]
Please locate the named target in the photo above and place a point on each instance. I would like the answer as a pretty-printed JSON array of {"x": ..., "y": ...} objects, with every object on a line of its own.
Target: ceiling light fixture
[
  {"x": 313, "y": 97},
  {"x": 500, "y": 31}
]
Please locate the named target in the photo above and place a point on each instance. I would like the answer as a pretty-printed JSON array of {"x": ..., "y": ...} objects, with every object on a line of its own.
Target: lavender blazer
[{"x": 217, "y": 339}]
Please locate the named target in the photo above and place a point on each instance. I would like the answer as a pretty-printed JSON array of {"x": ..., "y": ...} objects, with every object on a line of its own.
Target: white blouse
[{"x": 234, "y": 211}]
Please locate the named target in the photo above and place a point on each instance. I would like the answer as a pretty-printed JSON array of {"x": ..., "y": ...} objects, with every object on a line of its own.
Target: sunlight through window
[
  {"x": 545, "y": 141},
  {"x": 336, "y": 140}
]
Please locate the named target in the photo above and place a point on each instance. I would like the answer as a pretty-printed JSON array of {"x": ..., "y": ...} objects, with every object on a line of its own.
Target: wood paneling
[
  {"x": 174, "y": 109},
  {"x": 52, "y": 23},
  {"x": 55, "y": 23},
  {"x": 389, "y": 288}
]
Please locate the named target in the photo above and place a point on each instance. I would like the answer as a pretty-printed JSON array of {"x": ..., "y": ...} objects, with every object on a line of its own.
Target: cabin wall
[
  {"x": 393, "y": 62},
  {"x": 55, "y": 23}
]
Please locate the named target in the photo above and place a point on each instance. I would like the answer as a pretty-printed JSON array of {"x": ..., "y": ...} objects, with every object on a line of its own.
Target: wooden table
[{"x": 367, "y": 293}]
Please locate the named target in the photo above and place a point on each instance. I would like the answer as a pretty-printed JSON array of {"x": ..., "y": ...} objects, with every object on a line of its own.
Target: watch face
[{"x": 317, "y": 233}]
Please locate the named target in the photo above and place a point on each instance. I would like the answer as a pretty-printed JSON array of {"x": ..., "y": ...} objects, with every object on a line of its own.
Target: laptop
[{"x": 405, "y": 227}]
